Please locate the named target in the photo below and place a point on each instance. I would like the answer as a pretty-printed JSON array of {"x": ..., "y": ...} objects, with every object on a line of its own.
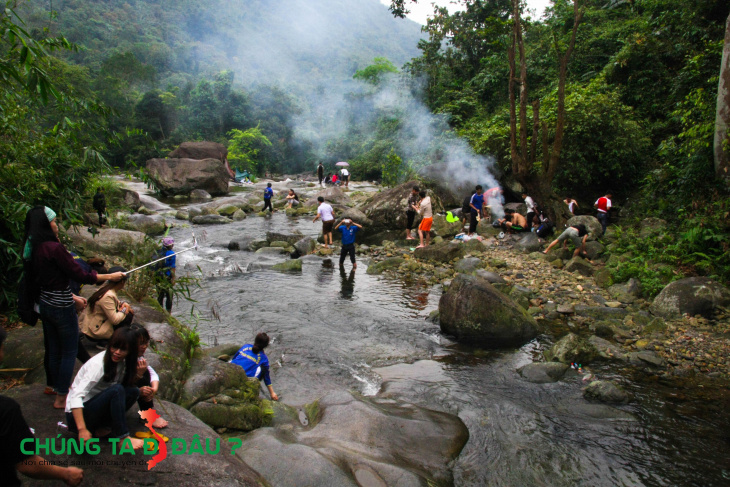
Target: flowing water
[{"x": 335, "y": 329}]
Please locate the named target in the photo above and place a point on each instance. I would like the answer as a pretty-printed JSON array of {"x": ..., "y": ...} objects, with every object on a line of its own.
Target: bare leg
[{"x": 420, "y": 236}]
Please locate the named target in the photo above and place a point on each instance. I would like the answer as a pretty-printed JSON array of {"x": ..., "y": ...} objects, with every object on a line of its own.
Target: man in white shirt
[
  {"x": 327, "y": 214},
  {"x": 424, "y": 208},
  {"x": 345, "y": 176},
  {"x": 530, "y": 203}
]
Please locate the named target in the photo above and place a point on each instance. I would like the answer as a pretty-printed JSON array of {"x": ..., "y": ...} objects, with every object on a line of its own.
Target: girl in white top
[
  {"x": 104, "y": 390},
  {"x": 147, "y": 379}
]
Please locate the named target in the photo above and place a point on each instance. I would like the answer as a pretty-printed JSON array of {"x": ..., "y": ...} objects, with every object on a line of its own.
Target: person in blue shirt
[
  {"x": 167, "y": 272},
  {"x": 268, "y": 193},
  {"x": 348, "y": 228},
  {"x": 477, "y": 209},
  {"x": 255, "y": 362}
]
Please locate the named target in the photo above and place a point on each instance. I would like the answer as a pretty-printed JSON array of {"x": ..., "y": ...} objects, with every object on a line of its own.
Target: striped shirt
[{"x": 58, "y": 299}]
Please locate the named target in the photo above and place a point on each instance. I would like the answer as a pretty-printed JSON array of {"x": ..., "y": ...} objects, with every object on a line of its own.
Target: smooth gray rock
[
  {"x": 468, "y": 265},
  {"x": 181, "y": 176},
  {"x": 150, "y": 225},
  {"x": 592, "y": 225},
  {"x": 305, "y": 246},
  {"x": 692, "y": 296},
  {"x": 443, "y": 252},
  {"x": 490, "y": 276},
  {"x": 272, "y": 251},
  {"x": 543, "y": 372},
  {"x": 476, "y": 313},
  {"x": 200, "y": 151},
  {"x": 211, "y": 219},
  {"x": 112, "y": 241},
  {"x": 529, "y": 243},
  {"x": 580, "y": 266},
  {"x": 290, "y": 238},
  {"x": 200, "y": 194}
]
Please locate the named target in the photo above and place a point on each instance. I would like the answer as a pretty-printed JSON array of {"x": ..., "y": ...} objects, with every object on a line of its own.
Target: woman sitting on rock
[
  {"x": 255, "y": 362},
  {"x": 104, "y": 312},
  {"x": 104, "y": 390},
  {"x": 147, "y": 379},
  {"x": 292, "y": 199}
]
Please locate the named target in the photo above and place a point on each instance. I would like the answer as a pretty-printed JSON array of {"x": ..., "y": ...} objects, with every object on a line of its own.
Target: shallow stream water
[{"x": 335, "y": 329}]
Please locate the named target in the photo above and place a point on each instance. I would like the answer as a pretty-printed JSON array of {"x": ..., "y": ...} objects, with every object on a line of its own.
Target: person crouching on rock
[
  {"x": 146, "y": 379},
  {"x": 255, "y": 362},
  {"x": 104, "y": 313},
  {"x": 104, "y": 390},
  {"x": 513, "y": 222}
]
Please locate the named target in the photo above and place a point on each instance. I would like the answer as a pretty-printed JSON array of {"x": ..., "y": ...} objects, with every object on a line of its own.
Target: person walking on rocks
[
  {"x": 411, "y": 211},
  {"x": 100, "y": 205},
  {"x": 167, "y": 273},
  {"x": 476, "y": 207},
  {"x": 424, "y": 208},
  {"x": 348, "y": 228},
  {"x": 576, "y": 234},
  {"x": 345, "y": 176},
  {"x": 572, "y": 205},
  {"x": 603, "y": 205},
  {"x": 327, "y": 214},
  {"x": 255, "y": 362},
  {"x": 268, "y": 194},
  {"x": 320, "y": 173},
  {"x": 531, "y": 208}
]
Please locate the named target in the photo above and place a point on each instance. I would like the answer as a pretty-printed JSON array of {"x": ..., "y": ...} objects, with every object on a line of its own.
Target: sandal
[
  {"x": 50, "y": 391},
  {"x": 148, "y": 434}
]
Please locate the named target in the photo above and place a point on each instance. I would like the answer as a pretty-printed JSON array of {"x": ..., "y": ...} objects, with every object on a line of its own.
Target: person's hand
[
  {"x": 141, "y": 366},
  {"x": 84, "y": 434},
  {"x": 146, "y": 393},
  {"x": 116, "y": 276},
  {"x": 73, "y": 476},
  {"x": 274, "y": 396},
  {"x": 80, "y": 303}
]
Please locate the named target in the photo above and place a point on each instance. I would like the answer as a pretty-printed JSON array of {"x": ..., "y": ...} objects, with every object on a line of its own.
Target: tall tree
[{"x": 722, "y": 119}]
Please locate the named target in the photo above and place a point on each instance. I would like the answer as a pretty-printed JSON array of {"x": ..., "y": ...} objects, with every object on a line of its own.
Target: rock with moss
[
  {"x": 289, "y": 238},
  {"x": 571, "y": 348},
  {"x": 580, "y": 266},
  {"x": 626, "y": 292},
  {"x": 237, "y": 408},
  {"x": 272, "y": 251},
  {"x": 484, "y": 229},
  {"x": 182, "y": 215},
  {"x": 383, "y": 265},
  {"x": 305, "y": 246},
  {"x": 111, "y": 241},
  {"x": 478, "y": 314},
  {"x": 444, "y": 252},
  {"x": 692, "y": 296},
  {"x": 543, "y": 372},
  {"x": 150, "y": 225},
  {"x": 591, "y": 223},
  {"x": 468, "y": 265},
  {"x": 291, "y": 265},
  {"x": 603, "y": 278},
  {"x": 238, "y": 215},
  {"x": 279, "y": 243},
  {"x": 444, "y": 228},
  {"x": 650, "y": 227},
  {"x": 227, "y": 209},
  {"x": 490, "y": 276},
  {"x": 605, "y": 391},
  {"x": 594, "y": 249},
  {"x": 211, "y": 220}
]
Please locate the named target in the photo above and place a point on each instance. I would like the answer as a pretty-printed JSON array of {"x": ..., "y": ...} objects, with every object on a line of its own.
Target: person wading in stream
[
  {"x": 348, "y": 228},
  {"x": 268, "y": 193},
  {"x": 327, "y": 214}
]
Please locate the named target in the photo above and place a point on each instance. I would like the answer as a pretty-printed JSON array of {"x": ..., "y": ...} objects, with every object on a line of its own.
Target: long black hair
[
  {"x": 37, "y": 227},
  {"x": 91, "y": 303},
  {"x": 260, "y": 342},
  {"x": 124, "y": 338}
]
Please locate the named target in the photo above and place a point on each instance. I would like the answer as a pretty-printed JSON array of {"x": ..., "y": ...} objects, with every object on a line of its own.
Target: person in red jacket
[{"x": 603, "y": 205}]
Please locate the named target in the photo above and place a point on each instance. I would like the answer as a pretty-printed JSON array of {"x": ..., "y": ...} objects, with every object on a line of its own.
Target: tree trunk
[{"x": 722, "y": 117}]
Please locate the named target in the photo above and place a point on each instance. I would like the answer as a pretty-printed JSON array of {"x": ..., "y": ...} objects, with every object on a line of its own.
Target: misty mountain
[{"x": 288, "y": 42}]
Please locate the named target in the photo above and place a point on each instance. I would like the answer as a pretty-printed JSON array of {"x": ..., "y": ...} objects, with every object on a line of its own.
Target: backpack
[{"x": 545, "y": 229}]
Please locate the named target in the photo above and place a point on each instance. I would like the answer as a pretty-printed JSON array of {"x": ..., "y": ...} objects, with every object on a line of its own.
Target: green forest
[{"x": 597, "y": 94}]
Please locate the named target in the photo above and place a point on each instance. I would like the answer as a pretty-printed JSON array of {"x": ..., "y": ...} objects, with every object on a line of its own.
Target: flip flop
[{"x": 148, "y": 434}]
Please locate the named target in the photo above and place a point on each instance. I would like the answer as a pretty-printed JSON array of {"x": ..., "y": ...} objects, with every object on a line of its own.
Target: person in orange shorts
[{"x": 424, "y": 208}]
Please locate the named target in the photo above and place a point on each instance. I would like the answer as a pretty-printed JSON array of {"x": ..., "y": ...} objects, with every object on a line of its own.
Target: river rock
[
  {"x": 443, "y": 252},
  {"x": 476, "y": 313},
  {"x": 592, "y": 225},
  {"x": 200, "y": 194},
  {"x": 626, "y": 292},
  {"x": 210, "y": 219},
  {"x": 571, "y": 348},
  {"x": 272, "y": 251},
  {"x": 605, "y": 391},
  {"x": 359, "y": 441},
  {"x": 383, "y": 265},
  {"x": 355, "y": 215},
  {"x": 485, "y": 229},
  {"x": 594, "y": 249},
  {"x": 605, "y": 349},
  {"x": 242, "y": 243},
  {"x": 290, "y": 238},
  {"x": 200, "y": 151},
  {"x": 130, "y": 198},
  {"x": 227, "y": 210},
  {"x": 387, "y": 208},
  {"x": 181, "y": 176},
  {"x": 603, "y": 278},
  {"x": 150, "y": 225},
  {"x": 192, "y": 470},
  {"x": 182, "y": 215},
  {"x": 529, "y": 243},
  {"x": 113, "y": 241},
  {"x": 238, "y": 215},
  {"x": 331, "y": 195},
  {"x": 652, "y": 226},
  {"x": 692, "y": 296},
  {"x": 305, "y": 246},
  {"x": 164, "y": 355},
  {"x": 543, "y": 372},
  {"x": 443, "y": 228},
  {"x": 468, "y": 265},
  {"x": 490, "y": 276},
  {"x": 291, "y": 265},
  {"x": 580, "y": 266}
]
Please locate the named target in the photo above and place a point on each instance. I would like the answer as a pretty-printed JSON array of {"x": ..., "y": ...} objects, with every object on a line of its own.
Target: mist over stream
[{"x": 342, "y": 330}]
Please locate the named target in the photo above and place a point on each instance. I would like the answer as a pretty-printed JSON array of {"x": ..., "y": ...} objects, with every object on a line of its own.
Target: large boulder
[
  {"x": 443, "y": 228},
  {"x": 443, "y": 252},
  {"x": 468, "y": 265},
  {"x": 210, "y": 219},
  {"x": 652, "y": 226},
  {"x": 112, "y": 241},
  {"x": 572, "y": 348},
  {"x": 592, "y": 225},
  {"x": 529, "y": 243},
  {"x": 387, "y": 209},
  {"x": 331, "y": 195},
  {"x": 693, "y": 296},
  {"x": 176, "y": 470},
  {"x": 181, "y": 176},
  {"x": 305, "y": 246},
  {"x": 130, "y": 198},
  {"x": 200, "y": 151},
  {"x": 150, "y": 225},
  {"x": 476, "y": 313},
  {"x": 353, "y": 442},
  {"x": 357, "y": 216},
  {"x": 290, "y": 238}
]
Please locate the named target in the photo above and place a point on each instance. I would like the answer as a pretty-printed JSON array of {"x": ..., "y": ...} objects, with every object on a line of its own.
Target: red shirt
[{"x": 603, "y": 204}]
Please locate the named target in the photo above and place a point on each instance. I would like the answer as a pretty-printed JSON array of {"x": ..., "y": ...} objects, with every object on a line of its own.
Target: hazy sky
[{"x": 422, "y": 9}]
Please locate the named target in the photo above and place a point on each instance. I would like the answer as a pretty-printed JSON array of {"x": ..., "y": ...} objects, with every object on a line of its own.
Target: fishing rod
[{"x": 194, "y": 247}]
